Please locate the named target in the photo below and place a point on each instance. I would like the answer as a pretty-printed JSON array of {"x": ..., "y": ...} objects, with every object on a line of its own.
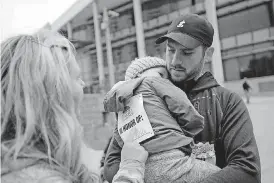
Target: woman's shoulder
[{"x": 39, "y": 173}]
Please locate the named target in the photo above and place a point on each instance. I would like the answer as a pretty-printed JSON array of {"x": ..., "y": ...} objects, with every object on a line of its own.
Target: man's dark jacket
[{"x": 227, "y": 125}]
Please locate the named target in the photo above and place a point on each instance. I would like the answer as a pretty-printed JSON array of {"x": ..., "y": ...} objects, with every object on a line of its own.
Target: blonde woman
[{"x": 41, "y": 90}]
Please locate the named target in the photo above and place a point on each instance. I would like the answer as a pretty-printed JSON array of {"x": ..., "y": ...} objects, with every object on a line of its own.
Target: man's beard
[
  {"x": 196, "y": 72},
  {"x": 191, "y": 75}
]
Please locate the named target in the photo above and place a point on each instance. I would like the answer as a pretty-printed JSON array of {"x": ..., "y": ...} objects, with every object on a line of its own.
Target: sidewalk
[{"x": 261, "y": 111}]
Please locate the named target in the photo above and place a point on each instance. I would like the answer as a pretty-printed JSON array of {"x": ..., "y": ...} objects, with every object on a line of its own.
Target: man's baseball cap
[{"x": 190, "y": 30}]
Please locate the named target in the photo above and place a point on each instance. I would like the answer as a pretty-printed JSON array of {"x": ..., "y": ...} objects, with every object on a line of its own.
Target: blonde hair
[{"x": 38, "y": 113}]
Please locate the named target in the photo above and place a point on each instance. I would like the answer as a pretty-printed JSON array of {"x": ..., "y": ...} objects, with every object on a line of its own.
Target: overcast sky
[{"x": 27, "y": 16}]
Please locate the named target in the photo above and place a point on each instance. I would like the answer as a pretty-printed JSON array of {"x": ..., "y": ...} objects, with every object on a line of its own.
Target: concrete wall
[
  {"x": 98, "y": 126},
  {"x": 260, "y": 86}
]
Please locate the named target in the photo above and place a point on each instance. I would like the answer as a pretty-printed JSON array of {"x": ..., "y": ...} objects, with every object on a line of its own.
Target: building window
[
  {"x": 231, "y": 69},
  {"x": 151, "y": 48},
  {"x": 116, "y": 55},
  {"x": 154, "y": 9},
  {"x": 179, "y": 4},
  {"x": 151, "y": 9},
  {"x": 197, "y": 1},
  {"x": 250, "y": 66},
  {"x": 247, "y": 20},
  {"x": 125, "y": 20},
  {"x": 243, "y": 63},
  {"x": 114, "y": 24},
  {"x": 262, "y": 64}
]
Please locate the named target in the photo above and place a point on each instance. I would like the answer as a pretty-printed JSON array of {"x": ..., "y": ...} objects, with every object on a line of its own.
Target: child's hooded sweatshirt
[{"x": 173, "y": 118}]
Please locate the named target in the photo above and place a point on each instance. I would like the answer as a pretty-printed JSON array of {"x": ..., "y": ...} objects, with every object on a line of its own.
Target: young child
[{"x": 173, "y": 118}]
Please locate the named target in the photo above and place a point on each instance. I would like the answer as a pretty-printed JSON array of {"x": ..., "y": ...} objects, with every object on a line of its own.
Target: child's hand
[{"x": 134, "y": 151}]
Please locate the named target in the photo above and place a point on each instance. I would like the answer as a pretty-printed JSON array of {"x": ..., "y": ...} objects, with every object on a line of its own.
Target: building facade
[
  {"x": 246, "y": 39},
  {"x": 246, "y": 31}
]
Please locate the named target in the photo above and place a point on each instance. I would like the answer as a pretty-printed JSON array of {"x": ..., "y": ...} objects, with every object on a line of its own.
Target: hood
[
  {"x": 120, "y": 92},
  {"x": 206, "y": 81}
]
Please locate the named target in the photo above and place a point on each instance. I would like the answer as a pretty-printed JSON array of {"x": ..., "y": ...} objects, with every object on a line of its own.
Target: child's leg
[
  {"x": 174, "y": 166},
  {"x": 167, "y": 166},
  {"x": 200, "y": 171}
]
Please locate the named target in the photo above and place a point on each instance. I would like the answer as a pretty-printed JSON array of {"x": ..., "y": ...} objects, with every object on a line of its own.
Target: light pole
[
  {"x": 105, "y": 26},
  {"x": 216, "y": 63},
  {"x": 141, "y": 47},
  {"x": 98, "y": 43}
]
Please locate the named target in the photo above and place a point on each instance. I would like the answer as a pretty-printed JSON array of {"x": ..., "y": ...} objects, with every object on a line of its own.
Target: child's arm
[
  {"x": 115, "y": 98},
  {"x": 179, "y": 105}
]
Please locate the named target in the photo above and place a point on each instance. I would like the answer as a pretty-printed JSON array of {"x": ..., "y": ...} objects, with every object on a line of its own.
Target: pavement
[{"x": 261, "y": 109}]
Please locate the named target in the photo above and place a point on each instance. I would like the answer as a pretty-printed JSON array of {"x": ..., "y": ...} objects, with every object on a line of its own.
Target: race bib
[{"x": 133, "y": 123}]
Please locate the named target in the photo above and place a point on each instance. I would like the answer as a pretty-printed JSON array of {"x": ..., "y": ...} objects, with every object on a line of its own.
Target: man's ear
[{"x": 209, "y": 53}]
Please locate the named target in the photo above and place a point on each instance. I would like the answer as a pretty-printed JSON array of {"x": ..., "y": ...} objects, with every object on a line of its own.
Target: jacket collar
[{"x": 206, "y": 81}]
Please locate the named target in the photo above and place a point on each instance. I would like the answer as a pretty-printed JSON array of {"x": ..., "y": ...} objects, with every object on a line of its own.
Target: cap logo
[{"x": 181, "y": 24}]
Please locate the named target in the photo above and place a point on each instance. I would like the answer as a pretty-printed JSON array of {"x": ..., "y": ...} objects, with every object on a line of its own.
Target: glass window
[
  {"x": 244, "y": 63},
  {"x": 150, "y": 46},
  {"x": 94, "y": 63},
  {"x": 179, "y": 4},
  {"x": 262, "y": 64},
  {"x": 231, "y": 69},
  {"x": 114, "y": 24},
  {"x": 183, "y": 4},
  {"x": 153, "y": 49},
  {"x": 116, "y": 55},
  {"x": 128, "y": 52},
  {"x": 259, "y": 17},
  {"x": 199, "y": 1},
  {"x": 132, "y": 51},
  {"x": 233, "y": 24},
  {"x": 244, "y": 21},
  {"x": 125, "y": 20},
  {"x": 257, "y": 65},
  {"x": 154, "y": 9}
]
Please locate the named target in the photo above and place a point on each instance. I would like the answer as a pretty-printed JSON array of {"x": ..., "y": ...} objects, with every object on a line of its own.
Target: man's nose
[{"x": 176, "y": 59}]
